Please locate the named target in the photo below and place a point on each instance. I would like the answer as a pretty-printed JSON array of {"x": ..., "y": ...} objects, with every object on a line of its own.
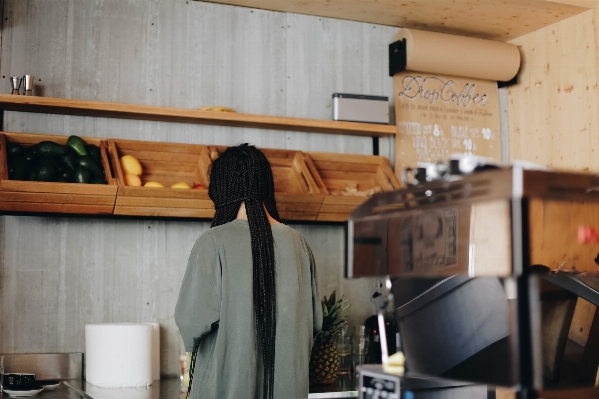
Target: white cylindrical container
[
  {"x": 155, "y": 351},
  {"x": 119, "y": 354}
]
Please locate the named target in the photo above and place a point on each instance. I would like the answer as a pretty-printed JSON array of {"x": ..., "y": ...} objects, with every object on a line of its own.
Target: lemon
[
  {"x": 153, "y": 184},
  {"x": 130, "y": 164},
  {"x": 180, "y": 185},
  {"x": 397, "y": 359},
  {"x": 397, "y": 370},
  {"x": 132, "y": 180},
  {"x": 395, "y": 364}
]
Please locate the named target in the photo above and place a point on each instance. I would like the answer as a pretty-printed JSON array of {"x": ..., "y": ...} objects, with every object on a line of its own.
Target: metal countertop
[{"x": 166, "y": 388}]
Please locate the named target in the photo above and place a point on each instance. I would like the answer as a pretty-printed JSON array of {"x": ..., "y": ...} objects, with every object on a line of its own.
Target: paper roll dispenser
[{"x": 453, "y": 55}]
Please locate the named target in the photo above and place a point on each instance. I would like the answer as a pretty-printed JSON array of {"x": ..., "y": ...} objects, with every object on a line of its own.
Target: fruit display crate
[
  {"x": 309, "y": 186},
  {"x": 50, "y": 197},
  {"x": 166, "y": 163},
  {"x": 297, "y": 192},
  {"x": 347, "y": 180}
]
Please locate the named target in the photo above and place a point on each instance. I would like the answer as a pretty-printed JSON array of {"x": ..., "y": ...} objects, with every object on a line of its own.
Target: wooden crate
[
  {"x": 44, "y": 197},
  {"x": 297, "y": 193},
  {"x": 167, "y": 163},
  {"x": 335, "y": 173}
]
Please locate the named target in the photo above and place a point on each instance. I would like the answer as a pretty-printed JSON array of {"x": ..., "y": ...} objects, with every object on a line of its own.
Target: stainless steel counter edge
[
  {"x": 168, "y": 388},
  {"x": 332, "y": 395}
]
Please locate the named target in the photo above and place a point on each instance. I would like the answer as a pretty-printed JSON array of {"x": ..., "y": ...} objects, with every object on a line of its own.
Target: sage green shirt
[{"x": 215, "y": 306}]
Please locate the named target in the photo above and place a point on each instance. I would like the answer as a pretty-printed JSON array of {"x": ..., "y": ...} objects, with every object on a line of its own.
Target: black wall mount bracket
[{"x": 397, "y": 57}]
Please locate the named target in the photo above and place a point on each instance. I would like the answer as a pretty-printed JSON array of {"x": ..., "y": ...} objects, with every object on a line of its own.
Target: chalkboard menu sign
[{"x": 438, "y": 116}]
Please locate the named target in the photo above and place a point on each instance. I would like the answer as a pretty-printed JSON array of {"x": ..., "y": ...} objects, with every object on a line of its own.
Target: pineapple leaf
[
  {"x": 332, "y": 299},
  {"x": 334, "y": 318}
]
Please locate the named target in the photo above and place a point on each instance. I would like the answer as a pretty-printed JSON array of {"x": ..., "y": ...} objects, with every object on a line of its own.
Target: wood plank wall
[
  {"x": 58, "y": 274},
  {"x": 554, "y": 121},
  {"x": 554, "y": 109}
]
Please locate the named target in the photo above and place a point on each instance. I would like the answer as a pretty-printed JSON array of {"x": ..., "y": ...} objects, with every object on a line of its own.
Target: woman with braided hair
[{"x": 249, "y": 303}]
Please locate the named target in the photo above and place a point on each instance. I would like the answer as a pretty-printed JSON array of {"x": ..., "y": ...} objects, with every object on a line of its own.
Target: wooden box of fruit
[
  {"x": 298, "y": 195},
  {"x": 161, "y": 179},
  {"x": 347, "y": 180},
  {"x": 55, "y": 174}
]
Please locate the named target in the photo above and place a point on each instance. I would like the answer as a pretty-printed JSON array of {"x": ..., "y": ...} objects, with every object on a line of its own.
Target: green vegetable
[
  {"x": 49, "y": 148},
  {"x": 14, "y": 149},
  {"x": 82, "y": 175},
  {"x": 47, "y": 169},
  {"x": 88, "y": 162},
  {"x": 30, "y": 152},
  {"x": 32, "y": 172},
  {"x": 68, "y": 161},
  {"x": 68, "y": 176},
  {"x": 17, "y": 168},
  {"x": 77, "y": 145},
  {"x": 94, "y": 152}
]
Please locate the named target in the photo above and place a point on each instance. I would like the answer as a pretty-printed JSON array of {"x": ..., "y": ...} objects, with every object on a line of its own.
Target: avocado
[
  {"x": 13, "y": 149},
  {"x": 32, "y": 171},
  {"x": 47, "y": 169},
  {"x": 68, "y": 161},
  {"x": 30, "y": 152},
  {"x": 17, "y": 168},
  {"x": 67, "y": 175},
  {"x": 77, "y": 144},
  {"x": 98, "y": 180},
  {"x": 87, "y": 162},
  {"x": 49, "y": 148},
  {"x": 82, "y": 175},
  {"x": 94, "y": 152}
]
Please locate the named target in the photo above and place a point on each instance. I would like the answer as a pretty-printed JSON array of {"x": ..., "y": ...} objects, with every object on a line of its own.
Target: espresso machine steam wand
[{"x": 382, "y": 300}]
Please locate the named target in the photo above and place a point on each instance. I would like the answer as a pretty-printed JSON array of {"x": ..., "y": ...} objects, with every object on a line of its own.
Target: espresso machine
[{"x": 491, "y": 274}]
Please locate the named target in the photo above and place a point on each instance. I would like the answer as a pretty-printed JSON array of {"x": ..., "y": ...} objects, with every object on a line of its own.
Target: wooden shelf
[
  {"x": 487, "y": 19},
  {"x": 151, "y": 113},
  {"x": 62, "y": 198},
  {"x": 309, "y": 186}
]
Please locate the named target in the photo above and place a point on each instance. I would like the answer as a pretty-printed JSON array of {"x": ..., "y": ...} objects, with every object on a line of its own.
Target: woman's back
[{"x": 216, "y": 306}]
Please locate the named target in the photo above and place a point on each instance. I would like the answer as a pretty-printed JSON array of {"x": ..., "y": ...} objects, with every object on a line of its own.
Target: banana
[{"x": 216, "y": 108}]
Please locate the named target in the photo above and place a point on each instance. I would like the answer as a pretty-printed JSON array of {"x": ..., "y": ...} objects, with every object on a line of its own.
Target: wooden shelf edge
[{"x": 65, "y": 106}]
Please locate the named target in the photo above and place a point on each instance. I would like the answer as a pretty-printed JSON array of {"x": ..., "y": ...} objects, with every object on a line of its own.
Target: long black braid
[{"x": 243, "y": 174}]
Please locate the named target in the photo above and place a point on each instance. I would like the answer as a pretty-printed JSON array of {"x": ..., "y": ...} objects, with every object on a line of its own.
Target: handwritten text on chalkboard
[{"x": 415, "y": 87}]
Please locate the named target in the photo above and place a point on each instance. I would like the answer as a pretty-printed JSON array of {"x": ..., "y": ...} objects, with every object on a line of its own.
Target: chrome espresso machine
[{"x": 493, "y": 280}]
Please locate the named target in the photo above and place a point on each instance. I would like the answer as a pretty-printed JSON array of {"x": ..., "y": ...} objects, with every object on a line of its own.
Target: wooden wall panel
[
  {"x": 58, "y": 274},
  {"x": 553, "y": 110},
  {"x": 489, "y": 19},
  {"x": 554, "y": 234}
]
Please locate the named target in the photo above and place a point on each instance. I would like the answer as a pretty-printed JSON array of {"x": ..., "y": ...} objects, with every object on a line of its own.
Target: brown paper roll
[{"x": 454, "y": 55}]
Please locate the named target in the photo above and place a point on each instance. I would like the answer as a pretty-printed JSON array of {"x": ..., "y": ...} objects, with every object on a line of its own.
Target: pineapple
[{"x": 324, "y": 360}]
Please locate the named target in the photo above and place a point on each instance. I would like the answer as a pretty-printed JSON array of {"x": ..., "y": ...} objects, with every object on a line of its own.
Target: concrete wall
[{"x": 58, "y": 274}]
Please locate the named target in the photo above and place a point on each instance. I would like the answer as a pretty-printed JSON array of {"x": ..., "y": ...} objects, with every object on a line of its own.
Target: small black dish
[{"x": 19, "y": 381}]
